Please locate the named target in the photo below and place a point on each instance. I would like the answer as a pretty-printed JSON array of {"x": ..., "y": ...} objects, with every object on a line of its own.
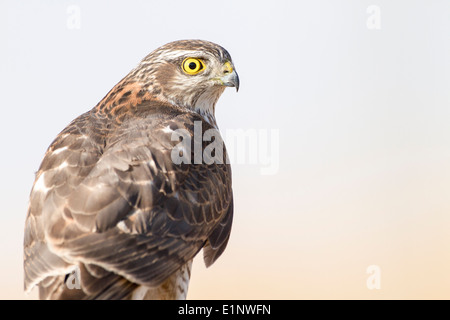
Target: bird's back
[{"x": 105, "y": 181}]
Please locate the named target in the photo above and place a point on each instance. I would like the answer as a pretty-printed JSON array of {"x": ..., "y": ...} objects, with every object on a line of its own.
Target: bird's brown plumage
[{"x": 108, "y": 199}]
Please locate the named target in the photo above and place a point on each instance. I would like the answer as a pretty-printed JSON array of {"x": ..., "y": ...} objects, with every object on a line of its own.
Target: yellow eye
[{"x": 192, "y": 65}]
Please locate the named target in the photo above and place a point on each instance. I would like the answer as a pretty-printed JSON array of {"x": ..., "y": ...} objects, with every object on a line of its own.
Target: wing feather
[{"x": 120, "y": 203}]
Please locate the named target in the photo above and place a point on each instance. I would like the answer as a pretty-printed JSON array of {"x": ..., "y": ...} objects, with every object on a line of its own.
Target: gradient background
[{"x": 363, "y": 118}]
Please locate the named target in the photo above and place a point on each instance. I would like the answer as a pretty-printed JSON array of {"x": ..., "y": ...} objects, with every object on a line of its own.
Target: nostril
[{"x": 227, "y": 68}]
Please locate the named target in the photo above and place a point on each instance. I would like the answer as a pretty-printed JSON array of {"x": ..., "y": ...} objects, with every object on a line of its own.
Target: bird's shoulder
[{"x": 110, "y": 176}]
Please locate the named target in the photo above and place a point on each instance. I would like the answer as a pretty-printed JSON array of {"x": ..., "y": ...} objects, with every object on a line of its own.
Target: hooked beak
[
  {"x": 230, "y": 77},
  {"x": 231, "y": 80}
]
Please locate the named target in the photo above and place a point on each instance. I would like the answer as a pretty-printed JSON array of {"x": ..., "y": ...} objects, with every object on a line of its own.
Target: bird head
[{"x": 188, "y": 73}]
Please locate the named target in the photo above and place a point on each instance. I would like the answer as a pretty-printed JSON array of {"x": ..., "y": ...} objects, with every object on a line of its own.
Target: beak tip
[{"x": 230, "y": 80}]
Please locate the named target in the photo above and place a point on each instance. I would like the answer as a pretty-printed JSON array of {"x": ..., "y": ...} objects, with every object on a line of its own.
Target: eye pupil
[{"x": 192, "y": 66}]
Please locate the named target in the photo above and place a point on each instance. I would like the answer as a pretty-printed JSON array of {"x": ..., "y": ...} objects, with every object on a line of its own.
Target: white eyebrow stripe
[{"x": 166, "y": 55}]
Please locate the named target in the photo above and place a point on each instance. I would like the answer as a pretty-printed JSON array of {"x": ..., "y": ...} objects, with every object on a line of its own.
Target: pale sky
[{"x": 357, "y": 94}]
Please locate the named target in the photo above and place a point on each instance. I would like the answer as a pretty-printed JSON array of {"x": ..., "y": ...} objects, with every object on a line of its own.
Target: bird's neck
[
  {"x": 128, "y": 94},
  {"x": 125, "y": 94},
  {"x": 205, "y": 105}
]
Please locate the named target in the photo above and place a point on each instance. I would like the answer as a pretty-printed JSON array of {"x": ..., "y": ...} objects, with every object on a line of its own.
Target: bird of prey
[{"x": 109, "y": 202}]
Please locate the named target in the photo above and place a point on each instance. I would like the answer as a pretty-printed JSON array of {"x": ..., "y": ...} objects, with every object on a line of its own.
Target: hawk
[{"x": 109, "y": 202}]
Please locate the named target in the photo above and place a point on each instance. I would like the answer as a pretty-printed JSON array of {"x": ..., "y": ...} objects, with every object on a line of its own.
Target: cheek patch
[{"x": 165, "y": 74}]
